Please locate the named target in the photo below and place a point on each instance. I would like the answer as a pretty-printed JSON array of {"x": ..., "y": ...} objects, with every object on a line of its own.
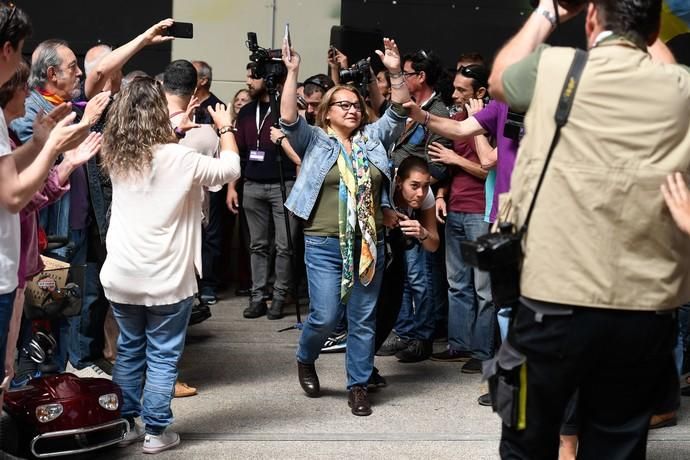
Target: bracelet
[
  {"x": 425, "y": 237},
  {"x": 225, "y": 129},
  {"x": 440, "y": 197},
  {"x": 548, "y": 15},
  {"x": 395, "y": 75},
  {"x": 279, "y": 141},
  {"x": 427, "y": 117},
  {"x": 398, "y": 85},
  {"x": 179, "y": 133}
]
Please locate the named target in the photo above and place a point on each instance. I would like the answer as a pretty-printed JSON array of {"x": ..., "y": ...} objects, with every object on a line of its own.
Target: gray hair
[
  {"x": 204, "y": 71},
  {"x": 99, "y": 51},
  {"x": 44, "y": 56}
]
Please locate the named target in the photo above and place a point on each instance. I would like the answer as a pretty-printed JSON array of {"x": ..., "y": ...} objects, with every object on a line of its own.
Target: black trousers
[
  {"x": 212, "y": 240},
  {"x": 620, "y": 362}
]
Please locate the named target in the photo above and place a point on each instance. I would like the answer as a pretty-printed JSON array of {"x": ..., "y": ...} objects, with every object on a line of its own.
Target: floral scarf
[{"x": 356, "y": 207}]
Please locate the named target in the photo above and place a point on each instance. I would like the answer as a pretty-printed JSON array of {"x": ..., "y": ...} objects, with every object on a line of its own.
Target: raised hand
[
  {"x": 94, "y": 109},
  {"x": 66, "y": 136},
  {"x": 85, "y": 151},
  {"x": 564, "y": 14},
  {"x": 221, "y": 114},
  {"x": 390, "y": 56},
  {"x": 156, "y": 33},
  {"x": 292, "y": 63},
  {"x": 186, "y": 122},
  {"x": 336, "y": 58}
]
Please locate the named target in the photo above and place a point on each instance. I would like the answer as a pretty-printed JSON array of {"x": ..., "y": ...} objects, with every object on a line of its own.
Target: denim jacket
[
  {"x": 55, "y": 218},
  {"x": 321, "y": 153}
]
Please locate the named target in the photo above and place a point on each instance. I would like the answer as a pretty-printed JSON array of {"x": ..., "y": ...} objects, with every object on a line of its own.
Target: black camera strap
[{"x": 562, "y": 113}]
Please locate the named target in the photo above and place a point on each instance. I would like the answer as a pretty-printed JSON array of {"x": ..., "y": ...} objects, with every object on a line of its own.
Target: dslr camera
[
  {"x": 266, "y": 63},
  {"x": 500, "y": 254},
  {"x": 359, "y": 75}
]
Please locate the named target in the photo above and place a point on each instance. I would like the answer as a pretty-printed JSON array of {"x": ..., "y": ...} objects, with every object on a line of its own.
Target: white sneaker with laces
[
  {"x": 92, "y": 371},
  {"x": 133, "y": 435},
  {"x": 166, "y": 440}
]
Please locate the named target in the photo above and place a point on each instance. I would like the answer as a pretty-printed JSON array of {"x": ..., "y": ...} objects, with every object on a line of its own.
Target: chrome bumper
[{"x": 79, "y": 437}]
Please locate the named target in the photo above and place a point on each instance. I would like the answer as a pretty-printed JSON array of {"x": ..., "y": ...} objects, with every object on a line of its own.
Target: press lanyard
[{"x": 260, "y": 126}]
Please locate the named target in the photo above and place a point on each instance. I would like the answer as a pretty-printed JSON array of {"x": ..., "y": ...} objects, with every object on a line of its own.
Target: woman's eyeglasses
[{"x": 347, "y": 105}]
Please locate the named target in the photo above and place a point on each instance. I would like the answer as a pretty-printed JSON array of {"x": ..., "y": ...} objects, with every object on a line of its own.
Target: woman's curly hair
[{"x": 137, "y": 121}]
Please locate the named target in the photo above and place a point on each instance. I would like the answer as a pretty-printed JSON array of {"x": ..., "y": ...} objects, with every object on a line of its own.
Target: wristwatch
[
  {"x": 179, "y": 133},
  {"x": 548, "y": 15}
]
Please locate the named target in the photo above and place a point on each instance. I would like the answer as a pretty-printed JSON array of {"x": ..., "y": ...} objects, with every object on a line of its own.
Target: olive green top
[{"x": 324, "y": 219}]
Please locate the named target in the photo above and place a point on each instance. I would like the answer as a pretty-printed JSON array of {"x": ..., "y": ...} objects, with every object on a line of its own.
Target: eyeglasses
[
  {"x": 10, "y": 16},
  {"x": 409, "y": 74},
  {"x": 347, "y": 105}
]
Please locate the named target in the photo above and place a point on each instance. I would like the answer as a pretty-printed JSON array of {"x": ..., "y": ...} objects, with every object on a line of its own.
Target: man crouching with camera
[{"x": 604, "y": 266}]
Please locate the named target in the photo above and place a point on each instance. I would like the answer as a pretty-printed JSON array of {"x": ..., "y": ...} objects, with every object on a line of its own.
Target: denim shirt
[
  {"x": 55, "y": 218},
  {"x": 321, "y": 153}
]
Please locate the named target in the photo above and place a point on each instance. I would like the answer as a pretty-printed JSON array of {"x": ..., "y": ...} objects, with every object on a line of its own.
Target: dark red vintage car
[{"x": 63, "y": 415}]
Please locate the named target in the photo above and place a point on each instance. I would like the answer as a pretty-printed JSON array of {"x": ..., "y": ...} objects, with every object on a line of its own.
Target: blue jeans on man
[
  {"x": 471, "y": 312},
  {"x": 151, "y": 342},
  {"x": 324, "y": 272},
  {"x": 86, "y": 329}
]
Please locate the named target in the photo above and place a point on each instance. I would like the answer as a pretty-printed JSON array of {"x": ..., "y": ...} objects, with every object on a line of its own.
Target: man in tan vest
[{"x": 604, "y": 265}]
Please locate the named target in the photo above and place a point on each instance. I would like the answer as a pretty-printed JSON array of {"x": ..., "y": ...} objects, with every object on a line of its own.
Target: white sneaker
[
  {"x": 166, "y": 440},
  {"x": 133, "y": 435},
  {"x": 89, "y": 372}
]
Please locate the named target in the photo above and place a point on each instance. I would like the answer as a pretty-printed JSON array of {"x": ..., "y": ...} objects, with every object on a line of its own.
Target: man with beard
[{"x": 262, "y": 201}]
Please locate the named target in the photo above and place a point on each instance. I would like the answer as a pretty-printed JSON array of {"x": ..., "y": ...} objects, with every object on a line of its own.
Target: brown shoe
[
  {"x": 663, "y": 420},
  {"x": 358, "y": 400},
  {"x": 182, "y": 390},
  {"x": 308, "y": 379}
]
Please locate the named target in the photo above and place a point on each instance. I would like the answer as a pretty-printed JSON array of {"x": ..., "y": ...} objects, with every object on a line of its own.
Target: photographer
[
  {"x": 604, "y": 266},
  {"x": 340, "y": 193}
]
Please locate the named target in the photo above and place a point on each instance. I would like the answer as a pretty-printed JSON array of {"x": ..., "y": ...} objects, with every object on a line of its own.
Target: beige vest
[{"x": 601, "y": 235}]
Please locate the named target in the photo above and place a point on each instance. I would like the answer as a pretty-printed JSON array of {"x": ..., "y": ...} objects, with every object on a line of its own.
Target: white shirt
[
  {"x": 9, "y": 229},
  {"x": 154, "y": 238}
]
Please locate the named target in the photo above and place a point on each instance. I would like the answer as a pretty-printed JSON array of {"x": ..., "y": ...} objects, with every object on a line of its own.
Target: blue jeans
[
  {"x": 471, "y": 312},
  {"x": 6, "y": 307},
  {"x": 417, "y": 316},
  {"x": 324, "y": 270},
  {"x": 151, "y": 340},
  {"x": 86, "y": 329}
]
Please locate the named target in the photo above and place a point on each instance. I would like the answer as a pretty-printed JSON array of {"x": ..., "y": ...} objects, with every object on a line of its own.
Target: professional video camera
[
  {"x": 358, "y": 75},
  {"x": 267, "y": 63}
]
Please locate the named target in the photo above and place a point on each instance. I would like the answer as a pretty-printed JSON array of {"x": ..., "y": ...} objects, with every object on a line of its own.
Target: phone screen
[{"x": 289, "y": 42}]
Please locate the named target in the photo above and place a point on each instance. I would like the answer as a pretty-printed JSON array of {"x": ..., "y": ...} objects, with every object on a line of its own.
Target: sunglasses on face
[{"x": 347, "y": 105}]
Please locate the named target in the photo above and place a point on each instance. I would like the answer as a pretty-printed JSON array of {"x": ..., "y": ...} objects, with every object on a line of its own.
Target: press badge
[{"x": 256, "y": 155}]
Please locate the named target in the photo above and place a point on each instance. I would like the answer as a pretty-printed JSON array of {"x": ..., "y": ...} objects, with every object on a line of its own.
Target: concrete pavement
[{"x": 250, "y": 405}]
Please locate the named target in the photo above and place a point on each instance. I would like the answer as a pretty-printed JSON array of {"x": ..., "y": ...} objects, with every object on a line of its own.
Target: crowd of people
[{"x": 359, "y": 195}]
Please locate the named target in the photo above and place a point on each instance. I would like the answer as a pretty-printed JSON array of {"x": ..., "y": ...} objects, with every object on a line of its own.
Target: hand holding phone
[{"x": 181, "y": 30}]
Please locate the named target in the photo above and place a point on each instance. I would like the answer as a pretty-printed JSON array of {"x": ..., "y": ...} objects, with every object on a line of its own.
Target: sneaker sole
[
  {"x": 470, "y": 371},
  {"x": 334, "y": 348},
  {"x": 155, "y": 450},
  {"x": 449, "y": 360},
  {"x": 129, "y": 442}
]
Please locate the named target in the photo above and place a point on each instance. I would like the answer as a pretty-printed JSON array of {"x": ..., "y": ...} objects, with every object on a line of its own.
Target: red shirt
[{"x": 466, "y": 190}]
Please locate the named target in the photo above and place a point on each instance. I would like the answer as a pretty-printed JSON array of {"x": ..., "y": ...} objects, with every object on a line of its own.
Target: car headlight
[
  {"x": 48, "y": 412},
  {"x": 109, "y": 401}
]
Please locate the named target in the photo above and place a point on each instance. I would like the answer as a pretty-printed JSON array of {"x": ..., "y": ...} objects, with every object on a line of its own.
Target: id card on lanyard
[{"x": 258, "y": 154}]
